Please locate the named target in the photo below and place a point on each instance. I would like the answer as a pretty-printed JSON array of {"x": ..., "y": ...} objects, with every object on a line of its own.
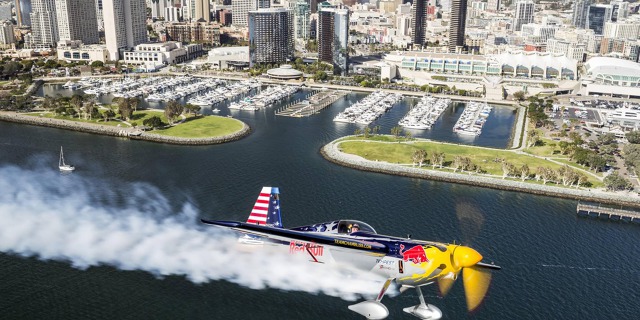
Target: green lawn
[
  {"x": 545, "y": 148},
  {"x": 200, "y": 127},
  {"x": 203, "y": 127},
  {"x": 483, "y": 157}
]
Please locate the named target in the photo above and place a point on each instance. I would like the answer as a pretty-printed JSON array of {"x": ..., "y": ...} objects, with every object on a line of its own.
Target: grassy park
[{"x": 462, "y": 158}]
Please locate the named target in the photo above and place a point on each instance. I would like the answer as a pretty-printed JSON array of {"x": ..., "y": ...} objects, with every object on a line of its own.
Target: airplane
[{"x": 410, "y": 263}]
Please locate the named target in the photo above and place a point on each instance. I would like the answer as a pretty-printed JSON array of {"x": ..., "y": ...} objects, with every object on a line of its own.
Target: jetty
[
  {"x": 613, "y": 214},
  {"x": 312, "y": 105}
]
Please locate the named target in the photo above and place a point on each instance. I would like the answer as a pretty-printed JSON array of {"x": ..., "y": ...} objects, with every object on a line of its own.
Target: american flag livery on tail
[{"x": 266, "y": 210}]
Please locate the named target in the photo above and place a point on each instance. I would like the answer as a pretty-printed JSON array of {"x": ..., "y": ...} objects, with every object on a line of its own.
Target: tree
[
  {"x": 533, "y": 137},
  {"x": 437, "y": 159},
  {"x": 524, "y": 172},
  {"x": 507, "y": 169},
  {"x": 76, "y": 102},
  {"x": 419, "y": 156},
  {"x": 615, "y": 182},
  {"x": 408, "y": 135},
  {"x": 124, "y": 108},
  {"x": 396, "y": 131},
  {"x": 357, "y": 132},
  {"x": 458, "y": 163},
  {"x": 153, "y": 122},
  {"x": 97, "y": 64},
  {"x": 108, "y": 114},
  {"x": 192, "y": 108},
  {"x": 633, "y": 136},
  {"x": 366, "y": 132},
  {"x": 172, "y": 110},
  {"x": 519, "y": 95},
  {"x": 376, "y": 129}
]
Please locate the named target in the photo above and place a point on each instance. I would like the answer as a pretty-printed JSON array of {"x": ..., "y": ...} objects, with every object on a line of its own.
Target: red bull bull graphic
[
  {"x": 416, "y": 254},
  {"x": 314, "y": 249}
]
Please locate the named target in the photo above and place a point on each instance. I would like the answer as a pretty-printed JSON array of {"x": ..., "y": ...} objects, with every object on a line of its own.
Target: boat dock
[
  {"x": 313, "y": 104},
  {"x": 613, "y": 214}
]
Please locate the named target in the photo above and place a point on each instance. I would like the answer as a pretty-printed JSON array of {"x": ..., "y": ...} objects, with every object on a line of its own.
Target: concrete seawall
[
  {"x": 332, "y": 153},
  {"x": 119, "y": 131}
]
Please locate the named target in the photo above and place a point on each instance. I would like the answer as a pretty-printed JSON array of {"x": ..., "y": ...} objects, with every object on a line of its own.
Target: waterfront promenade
[{"x": 333, "y": 153}]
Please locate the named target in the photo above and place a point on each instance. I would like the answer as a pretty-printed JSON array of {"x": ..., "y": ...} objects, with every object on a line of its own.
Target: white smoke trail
[{"x": 132, "y": 227}]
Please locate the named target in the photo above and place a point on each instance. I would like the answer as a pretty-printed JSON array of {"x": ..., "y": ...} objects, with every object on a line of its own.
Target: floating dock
[
  {"x": 613, "y": 214},
  {"x": 318, "y": 101}
]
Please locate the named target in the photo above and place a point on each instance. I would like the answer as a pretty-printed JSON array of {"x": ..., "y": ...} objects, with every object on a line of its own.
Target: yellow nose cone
[{"x": 465, "y": 257}]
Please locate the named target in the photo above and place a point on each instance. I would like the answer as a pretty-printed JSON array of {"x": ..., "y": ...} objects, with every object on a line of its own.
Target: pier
[
  {"x": 313, "y": 104},
  {"x": 613, "y": 214}
]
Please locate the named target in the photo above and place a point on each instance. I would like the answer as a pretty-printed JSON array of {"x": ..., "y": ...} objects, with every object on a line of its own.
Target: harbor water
[{"x": 555, "y": 265}]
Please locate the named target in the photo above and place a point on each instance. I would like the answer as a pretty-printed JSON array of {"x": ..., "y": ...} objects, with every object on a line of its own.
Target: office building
[
  {"x": 599, "y": 15},
  {"x": 523, "y": 14},
  {"x": 581, "y": 13},
  {"x": 240, "y": 10},
  {"x": 333, "y": 39},
  {"x": 457, "y": 25},
  {"x": 271, "y": 38},
  {"x": 419, "y": 22},
  {"x": 206, "y": 33},
  {"x": 23, "y": 12},
  {"x": 620, "y": 10},
  {"x": 44, "y": 27},
  {"x": 202, "y": 10},
  {"x": 77, "y": 20},
  {"x": 125, "y": 25},
  {"x": 301, "y": 13},
  {"x": 7, "y": 38},
  {"x": 5, "y": 11},
  {"x": 493, "y": 5}
]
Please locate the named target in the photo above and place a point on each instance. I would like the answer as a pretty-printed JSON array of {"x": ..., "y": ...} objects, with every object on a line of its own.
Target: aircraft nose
[{"x": 465, "y": 257}]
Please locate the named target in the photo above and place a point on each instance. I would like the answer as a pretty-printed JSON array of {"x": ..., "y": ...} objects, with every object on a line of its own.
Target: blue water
[{"x": 555, "y": 265}]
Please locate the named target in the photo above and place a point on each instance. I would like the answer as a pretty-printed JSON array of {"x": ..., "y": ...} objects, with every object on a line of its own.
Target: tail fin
[{"x": 266, "y": 210}]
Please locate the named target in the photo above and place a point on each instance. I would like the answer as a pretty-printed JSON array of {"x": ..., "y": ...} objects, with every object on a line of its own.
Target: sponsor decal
[
  {"x": 314, "y": 249},
  {"x": 416, "y": 254},
  {"x": 352, "y": 244}
]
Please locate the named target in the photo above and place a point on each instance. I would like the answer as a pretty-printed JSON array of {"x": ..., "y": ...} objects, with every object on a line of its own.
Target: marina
[
  {"x": 473, "y": 119},
  {"x": 317, "y": 101},
  {"x": 370, "y": 108},
  {"x": 265, "y": 98},
  {"x": 424, "y": 115}
]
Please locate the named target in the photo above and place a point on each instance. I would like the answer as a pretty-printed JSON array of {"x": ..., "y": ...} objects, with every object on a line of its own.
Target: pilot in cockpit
[{"x": 354, "y": 228}]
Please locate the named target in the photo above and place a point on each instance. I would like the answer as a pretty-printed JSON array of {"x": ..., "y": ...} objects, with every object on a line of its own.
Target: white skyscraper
[
  {"x": 7, "y": 37},
  {"x": 77, "y": 20},
  {"x": 524, "y": 14},
  {"x": 44, "y": 27},
  {"x": 124, "y": 25},
  {"x": 240, "y": 10},
  {"x": 99, "y": 16},
  {"x": 202, "y": 10},
  {"x": 158, "y": 8}
]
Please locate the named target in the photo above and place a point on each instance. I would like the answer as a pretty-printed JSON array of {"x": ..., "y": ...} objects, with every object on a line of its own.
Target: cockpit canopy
[
  {"x": 349, "y": 226},
  {"x": 338, "y": 226}
]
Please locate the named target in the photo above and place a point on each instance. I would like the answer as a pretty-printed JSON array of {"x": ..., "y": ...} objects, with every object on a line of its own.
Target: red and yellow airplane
[{"x": 410, "y": 263}]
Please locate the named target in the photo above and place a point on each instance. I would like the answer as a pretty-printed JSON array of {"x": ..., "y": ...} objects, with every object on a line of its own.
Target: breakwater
[
  {"x": 130, "y": 133},
  {"x": 332, "y": 152}
]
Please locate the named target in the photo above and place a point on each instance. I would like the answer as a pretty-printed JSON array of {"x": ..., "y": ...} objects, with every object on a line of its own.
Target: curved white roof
[
  {"x": 285, "y": 71},
  {"x": 612, "y": 66},
  {"x": 541, "y": 60}
]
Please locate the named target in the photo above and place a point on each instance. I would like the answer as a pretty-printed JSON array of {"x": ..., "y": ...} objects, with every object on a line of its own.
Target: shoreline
[
  {"x": 332, "y": 153},
  {"x": 10, "y": 116}
]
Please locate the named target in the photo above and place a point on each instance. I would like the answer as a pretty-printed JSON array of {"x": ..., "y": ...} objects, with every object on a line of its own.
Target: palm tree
[
  {"x": 396, "y": 131},
  {"x": 357, "y": 132}
]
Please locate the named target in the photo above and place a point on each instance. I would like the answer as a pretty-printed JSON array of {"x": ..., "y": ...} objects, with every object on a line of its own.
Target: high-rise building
[
  {"x": 333, "y": 38},
  {"x": 240, "y": 10},
  {"x": 6, "y": 10},
  {"x": 23, "y": 12},
  {"x": 581, "y": 13},
  {"x": 7, "y": 38},
  {"x": 171, "y": 14},
  {"x": 523, "y": 14},
  {"x": 493, "y": 5},
  {"x": 203, "y": 10},
  {"x": 158, "y": 7},
  {"x": 205, "y": 33},
  {"x": 599, "y": 14},
  {"x": 271, "y": 38},
  {"x": 419, "y": 21},
  {"x": 457, "y": 24},
  {"x": 44, "y": 27},
  {"x": 620, "y": 10},
  {"x": 301, "y": 12},
  {"x": 77, "y": 21},
  {"x": 622, "y": 30},
  {"x": 125, "y": 25},
  {"x": 99, "y": 15}
]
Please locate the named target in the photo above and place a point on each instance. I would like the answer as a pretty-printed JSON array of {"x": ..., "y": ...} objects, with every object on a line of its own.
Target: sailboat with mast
[{"x": 63, "y": 166}]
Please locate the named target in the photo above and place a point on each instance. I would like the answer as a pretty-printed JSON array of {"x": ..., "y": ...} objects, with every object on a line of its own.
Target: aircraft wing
[{"x": 279, "y": 234}]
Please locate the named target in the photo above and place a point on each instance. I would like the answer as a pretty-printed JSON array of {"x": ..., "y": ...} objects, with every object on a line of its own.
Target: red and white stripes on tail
[{"x": 261, "y": 208}]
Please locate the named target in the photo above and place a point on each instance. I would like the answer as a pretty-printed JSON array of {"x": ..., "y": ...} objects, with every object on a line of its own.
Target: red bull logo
[
  {"x": 296, "y": 247},
  {"x": 416, "y": 254}
]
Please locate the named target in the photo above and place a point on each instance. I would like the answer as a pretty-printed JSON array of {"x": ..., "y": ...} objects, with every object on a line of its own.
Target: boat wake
[{"x": 133, "y": 227}]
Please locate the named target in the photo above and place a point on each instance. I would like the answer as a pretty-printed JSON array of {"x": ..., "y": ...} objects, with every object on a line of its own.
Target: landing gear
[
  {"x": 424, "y": 311},
  {"x": 373, "y": 309}
]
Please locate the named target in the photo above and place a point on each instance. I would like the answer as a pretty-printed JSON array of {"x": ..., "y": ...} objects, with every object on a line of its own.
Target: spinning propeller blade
[
  {"x": 476, "y": 283},
  {"x": 445, "y": 284}
]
